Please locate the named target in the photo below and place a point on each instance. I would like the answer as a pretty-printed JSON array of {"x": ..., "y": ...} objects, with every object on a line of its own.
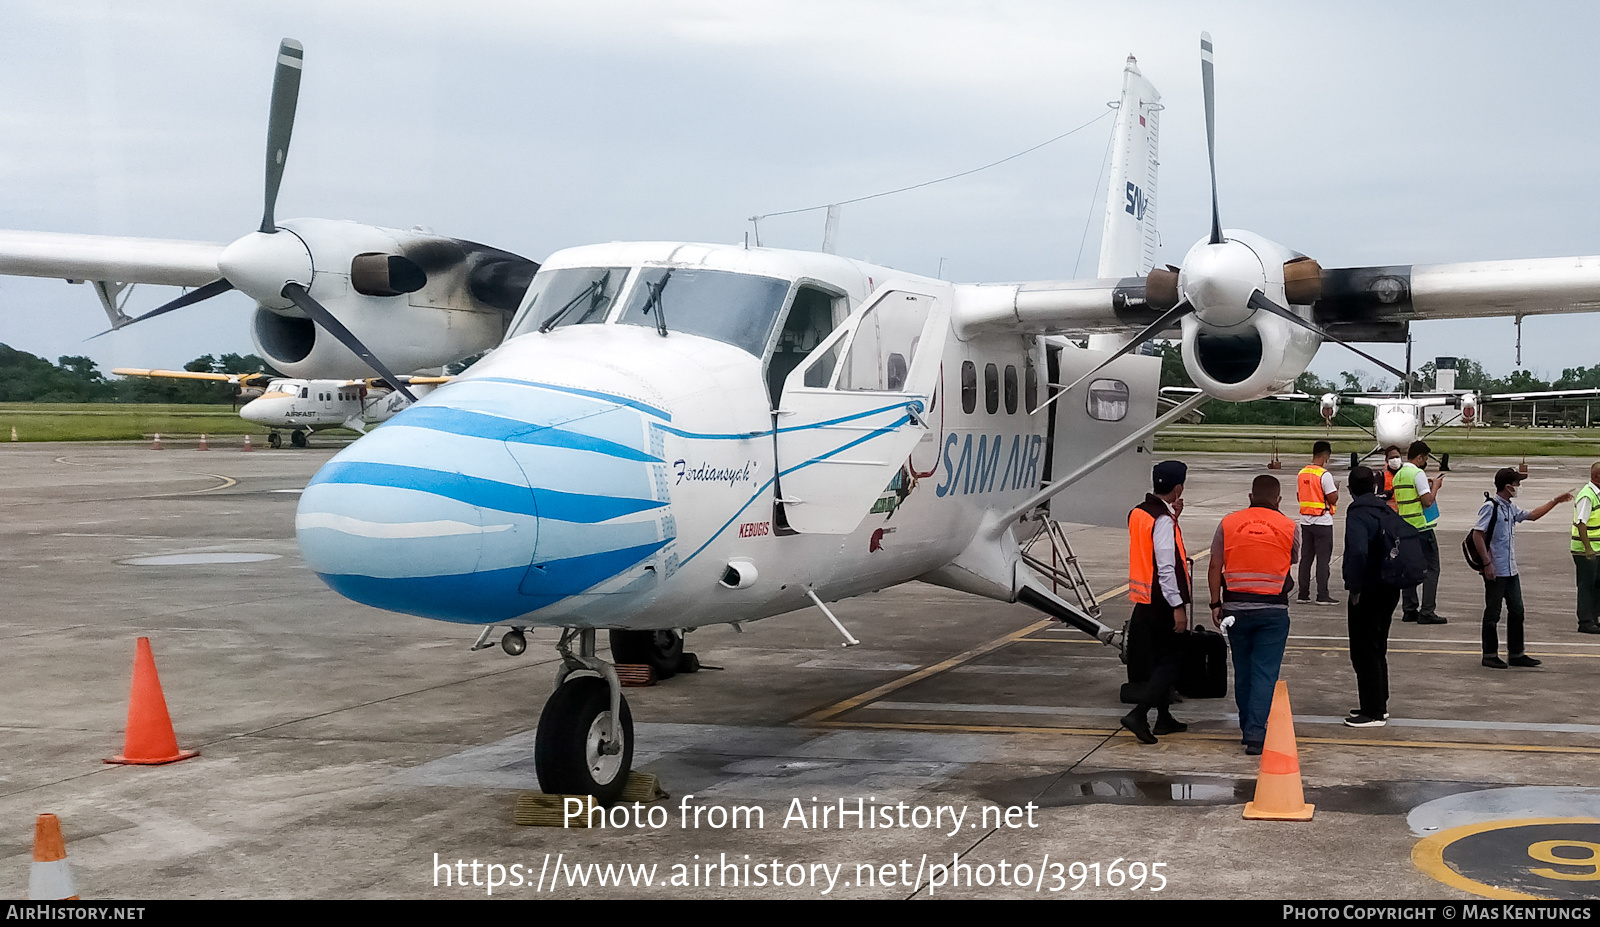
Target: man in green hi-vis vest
[
  {"x": 1586, "y": 552},
  {"x": 1414, "y": 498}
]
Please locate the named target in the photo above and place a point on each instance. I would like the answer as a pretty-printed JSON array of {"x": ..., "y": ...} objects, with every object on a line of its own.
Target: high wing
[
  {"x": 1546, "y": 394},
  {"x": 109, "y": 258},
  {"x": 237, "y": 379}
]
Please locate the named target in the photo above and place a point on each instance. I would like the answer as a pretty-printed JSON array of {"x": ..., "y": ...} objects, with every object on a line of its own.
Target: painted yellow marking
[
  {"x": 824, "y": 714},
  {"x": 226, "y": 482},
  {"x": 1231, "y": 738},
  {"x": 1428, "y": 856}
]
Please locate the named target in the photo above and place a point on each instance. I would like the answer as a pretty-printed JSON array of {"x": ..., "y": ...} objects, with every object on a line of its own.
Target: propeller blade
[
  {"x": 280, "y": 122},
  {"x": 297, "y": 294},
  {"x": 1208, "y": 83},
  {"x": 1258, "y": 301},
  {"x": 199, "y": 294},
  {"x": 1148, "y": 332}
]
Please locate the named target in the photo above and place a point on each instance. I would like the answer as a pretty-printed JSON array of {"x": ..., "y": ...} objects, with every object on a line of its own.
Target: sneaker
[
  {"x": 1136, "y": 722},
  {"x": 1523, "y": 659},
  {"x": 1494, "y": 662},
  {"x": 1434, "y": 620},
  {"x": 1304, "y": 600},
  {"x": 1364, "y": 721},
  {"x": 1167, "y": 724},
  {"x": 1356, "y": 713},
  {"x": 1252, "y": 749},
  {"x": 1327, "y": 601}
]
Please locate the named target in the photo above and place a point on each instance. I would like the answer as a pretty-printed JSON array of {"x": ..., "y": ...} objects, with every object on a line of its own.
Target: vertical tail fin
[{"x": 1128, "y": 240}]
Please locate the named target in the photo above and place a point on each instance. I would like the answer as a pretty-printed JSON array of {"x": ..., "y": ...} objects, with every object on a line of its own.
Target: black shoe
[
  {"x": 1356, "y": 712},
  {"x": 1523, "y": 659},
  {"x": 1252, "y": 749},
  {"x": 1136, "y": 722},
  {"x": 1494, "y": 662},
  {"x": 1363, "y": 721},
  {"x": 1409, "y": 618},
  {"x": 1167, "y": 724},
  {"x": 1304, "y": 601},
  {"x": 1434, "y": 620},
  {"x": 1589, "y": 629},
  {"x": 1327, "y": 601}
]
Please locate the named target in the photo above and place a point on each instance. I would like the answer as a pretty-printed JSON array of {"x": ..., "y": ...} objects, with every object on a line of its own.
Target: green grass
[
  {"x": 104, "y": 421},
  {"x": 1295, "y": 442}
]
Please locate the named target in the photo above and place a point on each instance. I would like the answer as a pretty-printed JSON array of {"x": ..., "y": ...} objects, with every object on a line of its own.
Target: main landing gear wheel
[
  {"x": 298, "y": 439},
  {"x": 661, "y": 650},
  {"x": 569, "y": 751},
  {"x": 274, "y": 440}
]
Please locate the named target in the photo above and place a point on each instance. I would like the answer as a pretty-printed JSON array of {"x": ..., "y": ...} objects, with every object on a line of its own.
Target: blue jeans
[{"x": 1257, "y": 639}]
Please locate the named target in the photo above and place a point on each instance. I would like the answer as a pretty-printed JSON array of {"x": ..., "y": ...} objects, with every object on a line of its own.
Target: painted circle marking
[
  {"x": 1524, "y": 859},
  {"x": 191, "y": 559}
]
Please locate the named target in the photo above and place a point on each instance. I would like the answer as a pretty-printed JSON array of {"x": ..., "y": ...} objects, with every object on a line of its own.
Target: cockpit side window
[
  {"x": 812, "y": 318},
  {"x": 568, "y": 296}
]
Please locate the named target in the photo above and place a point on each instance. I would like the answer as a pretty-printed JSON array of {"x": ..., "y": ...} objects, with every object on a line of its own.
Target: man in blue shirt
[{"x": 1497, "y": 548}]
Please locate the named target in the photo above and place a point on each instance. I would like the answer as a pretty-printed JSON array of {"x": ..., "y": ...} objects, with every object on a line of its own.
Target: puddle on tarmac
[{"x": 1135, "y": 787}]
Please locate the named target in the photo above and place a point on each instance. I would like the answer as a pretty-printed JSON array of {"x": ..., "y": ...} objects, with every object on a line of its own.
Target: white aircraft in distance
[
  {"x": 675, "y": 435},
  {"x": 301, "y": 406},
  {"x": 334, "y": 298},
  {"x": 1401, "y": 417}
]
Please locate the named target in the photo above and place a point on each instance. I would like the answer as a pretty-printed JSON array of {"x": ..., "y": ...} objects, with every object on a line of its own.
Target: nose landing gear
[{"x": 584, "y": 745}]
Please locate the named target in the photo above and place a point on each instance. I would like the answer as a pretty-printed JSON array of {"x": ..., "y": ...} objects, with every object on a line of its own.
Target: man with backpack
[
  {"x": 1493, "y": 540},
  {"x": 1375, "y": 563}
]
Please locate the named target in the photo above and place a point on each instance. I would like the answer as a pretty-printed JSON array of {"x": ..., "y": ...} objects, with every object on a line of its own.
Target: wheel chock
[
  {"x": 635, "y": 675},
  {"x": 536, "y": 809}
]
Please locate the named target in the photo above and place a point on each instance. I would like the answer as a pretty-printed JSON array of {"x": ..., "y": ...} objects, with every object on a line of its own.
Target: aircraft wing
[
  {"x": 234, "y": 378},
  {"x": 109, "y": 258},
  {"x": 1546, "y": 394},
  {"x": 1191, "y": 390}
]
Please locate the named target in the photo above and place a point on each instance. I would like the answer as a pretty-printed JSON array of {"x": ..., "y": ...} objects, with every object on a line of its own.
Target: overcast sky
[{"x": 1358, "y": 134}]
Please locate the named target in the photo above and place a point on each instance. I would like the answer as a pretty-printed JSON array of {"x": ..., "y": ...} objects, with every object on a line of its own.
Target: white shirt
[
  {"x": 1584, "y": 508},
  {"x": 1164, "y": 539},
  {"x": 1326, "y": 518}
]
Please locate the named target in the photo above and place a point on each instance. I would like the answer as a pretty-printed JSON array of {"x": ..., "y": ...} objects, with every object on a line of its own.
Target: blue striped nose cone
[{"x": 490, "y": 500}]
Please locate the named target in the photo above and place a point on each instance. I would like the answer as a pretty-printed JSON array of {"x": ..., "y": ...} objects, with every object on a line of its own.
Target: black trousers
[
  {"x": 1369, "y": 615},
  {"x": 1588, "y": 590},
  {"x": 1507, "y": 589},
  {"x": 1155, "y": 653},
  {"x": 1316, "y": 545}
]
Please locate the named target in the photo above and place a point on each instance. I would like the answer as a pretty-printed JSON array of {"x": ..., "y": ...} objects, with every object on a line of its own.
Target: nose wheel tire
[
  {"x": 661, "y": 650},
  {"x": 274, "y": 440},
  {"x": 573, "y": 729}
]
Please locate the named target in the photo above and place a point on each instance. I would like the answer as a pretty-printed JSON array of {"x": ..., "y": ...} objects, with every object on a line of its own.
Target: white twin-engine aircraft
[
  {"x": 301, "y": 406},
  {"x": 334, "y": 299},
  {"x": 674, "y": 435}
]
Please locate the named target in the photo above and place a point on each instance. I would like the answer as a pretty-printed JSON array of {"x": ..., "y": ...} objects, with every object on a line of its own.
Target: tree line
[{"x": 27, "y": 377}]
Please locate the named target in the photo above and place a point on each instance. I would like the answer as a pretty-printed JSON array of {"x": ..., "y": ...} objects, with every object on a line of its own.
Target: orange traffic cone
[
  {"x": 247, "y": 443},
  {"x": 150, "y": 740},
  {"x": 1279, "y": 796},
  {"x": 203, "y": 445},
  {"x": 157, "y": 445},
  {"x": 51, "y": 877}
]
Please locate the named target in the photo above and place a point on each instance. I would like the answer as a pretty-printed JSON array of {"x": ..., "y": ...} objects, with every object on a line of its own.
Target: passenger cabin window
[
  {"x": 969, "y": 387},
  {"x": 1011, "y": 390},
  {"x": 736, "y": 309},
  {"x": 991, "y": 389},
  {"x": 305, "y": 392},
  {"x": 568, "y": 296},
  {"x": 1108, "y": 400},
  {"x": 812, "y": 318}
]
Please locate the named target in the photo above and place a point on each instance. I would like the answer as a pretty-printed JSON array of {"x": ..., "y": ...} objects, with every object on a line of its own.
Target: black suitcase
[{"x": 1205, "y": 665}]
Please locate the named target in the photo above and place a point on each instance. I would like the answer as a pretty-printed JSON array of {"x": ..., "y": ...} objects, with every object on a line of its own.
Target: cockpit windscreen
[{"x": 738, "y": 309}]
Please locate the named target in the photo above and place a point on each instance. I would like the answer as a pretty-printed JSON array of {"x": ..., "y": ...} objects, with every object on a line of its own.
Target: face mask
[{"x": 1394, "y": 463}]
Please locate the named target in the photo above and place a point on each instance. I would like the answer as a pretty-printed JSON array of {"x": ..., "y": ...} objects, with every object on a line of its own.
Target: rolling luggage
[{"x": 1205, "y": 665}]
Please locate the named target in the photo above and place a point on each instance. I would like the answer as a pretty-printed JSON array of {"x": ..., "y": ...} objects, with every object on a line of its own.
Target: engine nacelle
[
  {"x": 1469, "y": 408},
  {"x": 415, "y": 300},
  {"x": 1329, "y": 407},
  {"x": 1256, "y": 358}
]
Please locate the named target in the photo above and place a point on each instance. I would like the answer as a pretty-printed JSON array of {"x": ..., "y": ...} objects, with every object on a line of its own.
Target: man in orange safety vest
[
  {"x": 1251, "y": 554},
  {"x": 1158, "y": 585},
  {"x": 1318, "y": 494}
]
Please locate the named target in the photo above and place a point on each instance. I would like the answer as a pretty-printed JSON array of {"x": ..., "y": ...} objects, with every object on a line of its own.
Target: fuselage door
[{"x": 851, "y": 412}]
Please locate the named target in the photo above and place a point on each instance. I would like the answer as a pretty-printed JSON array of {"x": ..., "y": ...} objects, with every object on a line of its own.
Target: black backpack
[
  {"x": 1469, "y": 550},
  {"x": 1403, "y": 562}
]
